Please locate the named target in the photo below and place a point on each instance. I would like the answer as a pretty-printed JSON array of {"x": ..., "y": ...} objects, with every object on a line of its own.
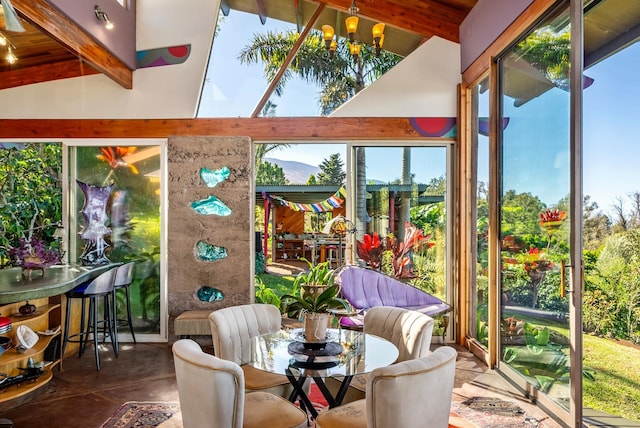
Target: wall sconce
[{"x": 102, "y": 16}]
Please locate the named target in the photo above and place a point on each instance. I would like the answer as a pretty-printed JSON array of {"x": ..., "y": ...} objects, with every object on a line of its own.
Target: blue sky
[
  {"x": 611, "y": 127},
  {"x": 232, "y": 89}
]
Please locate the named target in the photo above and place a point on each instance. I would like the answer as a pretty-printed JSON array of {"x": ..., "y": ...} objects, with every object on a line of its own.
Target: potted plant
[
  {"x": 315, "y": 310},
  {"x": 316, "y": 279}
]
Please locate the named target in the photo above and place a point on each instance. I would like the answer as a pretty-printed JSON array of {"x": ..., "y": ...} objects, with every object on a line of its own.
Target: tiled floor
[{"x": 80, "y": 396}]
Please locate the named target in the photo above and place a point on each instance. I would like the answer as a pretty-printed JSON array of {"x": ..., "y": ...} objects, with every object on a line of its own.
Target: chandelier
[{"x": 351, "y": 24}]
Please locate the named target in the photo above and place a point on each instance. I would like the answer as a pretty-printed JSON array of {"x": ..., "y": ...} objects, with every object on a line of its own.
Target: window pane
[
  {"x": 133, "y": 219},
  {"x": 534, "y": 204},
  {"x": 479, "y": 291},
  {"x": 406, "y": 185}
]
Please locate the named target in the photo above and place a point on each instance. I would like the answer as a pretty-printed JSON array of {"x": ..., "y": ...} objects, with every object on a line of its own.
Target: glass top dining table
[{"x": 345, "y": 353}]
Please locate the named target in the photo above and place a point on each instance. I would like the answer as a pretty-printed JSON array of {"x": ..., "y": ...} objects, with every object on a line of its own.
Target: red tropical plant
[
  {"x": 401, "y": 260},
  {"x": 551, "y": 220},
  {"x": 370, "y": 250}
]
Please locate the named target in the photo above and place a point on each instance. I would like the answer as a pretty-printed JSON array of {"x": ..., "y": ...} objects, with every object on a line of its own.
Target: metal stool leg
[{"x": 93, "y": 308}]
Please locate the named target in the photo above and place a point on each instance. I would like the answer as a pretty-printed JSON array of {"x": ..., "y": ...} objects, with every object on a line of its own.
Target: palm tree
[{"x": 339, "y": 77}]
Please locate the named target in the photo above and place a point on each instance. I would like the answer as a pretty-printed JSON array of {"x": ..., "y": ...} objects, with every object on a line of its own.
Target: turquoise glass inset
[
  {"x": 210, "y": 253},
  {"x": 211, "y": 206},
  {"x": 210, "y": 294},
  {"x": 212, "y": 177}
]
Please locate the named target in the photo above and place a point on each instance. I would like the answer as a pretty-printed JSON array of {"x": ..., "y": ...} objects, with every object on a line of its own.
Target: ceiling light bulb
[
  {"x": 11, "y": 58},
  {"x": 3, "y": 40}
]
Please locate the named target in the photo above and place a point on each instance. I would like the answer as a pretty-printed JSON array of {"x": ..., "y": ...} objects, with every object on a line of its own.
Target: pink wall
[
  {"x": 121, "y": 40},
  {"x": 486, "y": 21}
]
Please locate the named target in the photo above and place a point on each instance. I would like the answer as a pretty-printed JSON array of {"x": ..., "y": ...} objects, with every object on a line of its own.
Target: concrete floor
[{"x": 80, "y": 396}]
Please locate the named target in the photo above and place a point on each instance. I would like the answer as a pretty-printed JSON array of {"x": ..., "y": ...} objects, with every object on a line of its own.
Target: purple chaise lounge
[{"x": 365, "y": 288}]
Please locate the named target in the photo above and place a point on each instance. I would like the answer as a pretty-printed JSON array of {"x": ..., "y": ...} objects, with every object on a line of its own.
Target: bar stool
[
  {"x": 92, "y": 291},
  {"x": 124, "y": 277}
]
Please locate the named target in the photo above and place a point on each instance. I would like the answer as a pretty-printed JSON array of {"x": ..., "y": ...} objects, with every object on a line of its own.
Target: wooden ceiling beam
[
  {"x": 52, "y": 22},
  {"x": 424, "y": 17},
  {"x": 284, "y": 129},
  {"x": 45, "y": 73}
]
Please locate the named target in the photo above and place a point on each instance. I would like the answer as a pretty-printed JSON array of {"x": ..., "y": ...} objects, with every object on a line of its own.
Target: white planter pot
[{"x": 315, "y": 326}]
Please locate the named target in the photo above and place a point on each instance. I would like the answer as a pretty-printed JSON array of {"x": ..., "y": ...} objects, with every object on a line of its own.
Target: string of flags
[{"x": 334, "y": 201}]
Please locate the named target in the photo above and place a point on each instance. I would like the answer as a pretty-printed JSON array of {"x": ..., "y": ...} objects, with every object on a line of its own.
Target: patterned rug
[
  {"x": 493, "y": 412},
  {"x": 475, "y": 412},
  {"x": 144, "y": 414}
]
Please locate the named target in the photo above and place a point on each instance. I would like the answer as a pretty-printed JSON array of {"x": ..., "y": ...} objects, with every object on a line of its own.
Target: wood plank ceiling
[{"x": 53, "y": 47}]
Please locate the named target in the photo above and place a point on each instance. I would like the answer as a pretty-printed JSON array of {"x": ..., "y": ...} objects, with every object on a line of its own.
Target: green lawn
[
  {"x": 279, "y": 284},
  {"x": 616, "y": 389},
  {"x": 616, "y": 367}
]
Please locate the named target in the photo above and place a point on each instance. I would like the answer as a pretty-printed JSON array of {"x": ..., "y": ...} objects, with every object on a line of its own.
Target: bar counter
[
  {"x": 46, "y": 293},
  {"x": 57, "y": 280}
]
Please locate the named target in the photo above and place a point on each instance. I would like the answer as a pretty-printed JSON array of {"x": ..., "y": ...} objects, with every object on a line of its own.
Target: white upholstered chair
[
  {"x": 413, "y": 393},
  {"x": 212, "y": 395},
  {"x": 232, "y": 329},
  {"x": 409, "y": 330}
]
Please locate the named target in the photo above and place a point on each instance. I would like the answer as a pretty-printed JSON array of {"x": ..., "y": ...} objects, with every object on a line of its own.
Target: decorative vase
[
  {"x": 27, "y": 308},
  {"x": 315, "y": 326},
  {"x": 95, "y": 223}
]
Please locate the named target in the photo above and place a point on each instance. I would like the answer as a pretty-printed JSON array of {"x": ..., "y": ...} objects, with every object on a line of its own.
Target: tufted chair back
[
  {"x": 210, "y": 389},
  {"x": 409, "y": 330},
  {"x": 402, "y": 386},
  {"x": 232, "y": 329},
  {"x": 412, "y": 393},
  {"x": 211, "y": 392}
]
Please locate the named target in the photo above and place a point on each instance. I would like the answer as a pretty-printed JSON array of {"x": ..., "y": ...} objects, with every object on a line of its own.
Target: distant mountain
[{"x": 296, "y": 172}]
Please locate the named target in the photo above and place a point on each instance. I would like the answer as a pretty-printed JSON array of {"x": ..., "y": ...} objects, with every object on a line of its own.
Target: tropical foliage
[
  {"x": 315, "y": 274},
  {"x": 30, "y": 196},
  {"x": 296, "y": 305}
]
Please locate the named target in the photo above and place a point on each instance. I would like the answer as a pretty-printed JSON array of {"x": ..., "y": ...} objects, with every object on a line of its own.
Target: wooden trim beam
[
  {"x": 266, "y": 129},
  {"x": 55, "y": 24},
  {"x": 45, "y": 73},
  {"x": 426, "y": 17}
]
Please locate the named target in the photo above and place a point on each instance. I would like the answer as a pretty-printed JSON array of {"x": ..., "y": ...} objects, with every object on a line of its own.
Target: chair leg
[
  {"x": 111, "y": 320},
  {"x": 129, "y": 319},
  {"x": 84, "y": 327}
]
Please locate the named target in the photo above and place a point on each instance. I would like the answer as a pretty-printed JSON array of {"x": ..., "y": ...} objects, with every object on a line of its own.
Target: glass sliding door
[
  {"x": 535, "y": 190},
  {"x": 402, "y": 195},
  {"x": 130, "y": 176},
  {"x": 479, "y": 297}
]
